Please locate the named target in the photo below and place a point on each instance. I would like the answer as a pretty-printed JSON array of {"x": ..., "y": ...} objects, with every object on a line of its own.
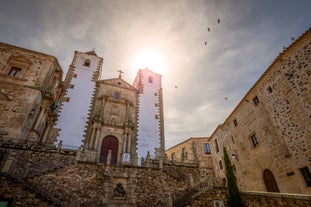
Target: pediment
[{"x": 118, "y": 82}]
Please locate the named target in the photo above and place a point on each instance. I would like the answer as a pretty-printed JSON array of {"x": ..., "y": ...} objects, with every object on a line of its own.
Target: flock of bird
[{"x": 209, "y": 29}]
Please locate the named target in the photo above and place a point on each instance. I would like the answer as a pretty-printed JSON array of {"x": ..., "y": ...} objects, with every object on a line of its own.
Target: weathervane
[{"x": 120, "y": 75}]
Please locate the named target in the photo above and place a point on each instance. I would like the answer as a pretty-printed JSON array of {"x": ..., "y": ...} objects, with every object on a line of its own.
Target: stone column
[
  {"x": 129, "y": 143},
  {"x": 97, "y": 137},
  {"x": 92, "y": 138}
]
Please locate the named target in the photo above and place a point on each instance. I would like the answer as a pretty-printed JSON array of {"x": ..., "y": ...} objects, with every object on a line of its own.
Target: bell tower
[
  {"x": 77, "y": 96},
  {"x": 150, "y": 114}
]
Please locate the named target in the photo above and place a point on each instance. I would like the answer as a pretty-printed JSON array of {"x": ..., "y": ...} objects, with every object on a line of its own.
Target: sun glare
[{"x": 149, "y": 58}]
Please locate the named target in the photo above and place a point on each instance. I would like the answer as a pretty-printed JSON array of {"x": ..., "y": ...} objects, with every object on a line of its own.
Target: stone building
[
  {"x": 30, "y": 86},
  {"x": 268, "y": 134},
  {"x": 195, "y": 150}
]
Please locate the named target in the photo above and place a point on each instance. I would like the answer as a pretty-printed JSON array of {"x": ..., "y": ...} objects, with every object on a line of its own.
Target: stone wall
[
  {"x": 22, "y": 163},
  {"x": 262, "y": 199},
  {"x": 19, "y": 195},
  {"x": 269, "y": 130}
]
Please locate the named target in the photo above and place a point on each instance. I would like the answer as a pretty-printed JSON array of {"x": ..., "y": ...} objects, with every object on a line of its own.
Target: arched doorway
[
  {"x": 109, "y": 143},
  {"x": 270, "y": 182}
]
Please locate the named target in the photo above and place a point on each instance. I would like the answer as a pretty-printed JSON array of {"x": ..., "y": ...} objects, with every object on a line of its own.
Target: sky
[{"x": 205, "y": 74}]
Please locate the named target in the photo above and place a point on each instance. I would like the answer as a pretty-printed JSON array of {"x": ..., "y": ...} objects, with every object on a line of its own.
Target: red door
[
  {"x": 270, "y": 182},
  {"x": 109, "y": 143}
]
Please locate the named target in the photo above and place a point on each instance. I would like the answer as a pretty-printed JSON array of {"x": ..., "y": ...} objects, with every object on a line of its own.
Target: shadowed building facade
[{"x": 30, "y": 86}]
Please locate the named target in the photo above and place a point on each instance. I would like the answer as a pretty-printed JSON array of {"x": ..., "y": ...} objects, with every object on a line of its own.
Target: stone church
[
  {"x": 119, "y": 122},
  {"x": 121, "y": 160}
]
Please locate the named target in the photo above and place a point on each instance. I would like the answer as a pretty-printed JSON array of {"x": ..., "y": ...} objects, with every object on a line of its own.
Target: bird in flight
[
  {"x": 226, "y": 98},
  {"x": 208, "y": 29},
  {"x": 205, "y": 43},
  {"x": 218, "y": 20},
  {"x": 292, "y": 38}
]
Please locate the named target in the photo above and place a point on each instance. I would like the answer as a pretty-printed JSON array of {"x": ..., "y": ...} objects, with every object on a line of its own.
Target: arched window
[
  {"x": 184, "y": 153},
  {"x": 87, "y": 63},
  {"x": 173, "y": 156}
]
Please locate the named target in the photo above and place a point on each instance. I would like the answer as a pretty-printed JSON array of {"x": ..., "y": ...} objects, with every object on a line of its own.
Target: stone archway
[
  {"x": 270, "y": 182},
  {"x": 109, "y": 143}
]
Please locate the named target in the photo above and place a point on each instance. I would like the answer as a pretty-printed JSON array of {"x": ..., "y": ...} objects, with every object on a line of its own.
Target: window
[
  {"x": 150, "y": 79},
  {"x": 15, "y": 71},
  {"x": 173, "y": 156},
  {"x": 184, "y": 153},
  {"x": 87, "y": 63},
  {"x": 256, "y": 100},
  {"x": 306, "y": 175},
  {"x": 216, "y": 146},
  {"x": 255, "y": 140},
  {"x": 270, "y": 90},
  {"x": 220, "y": 165},
  {"x": 235, "y": 122},
  {"x": 207, "y": 149},
  {"x": 156, "y": 117},
  {"x": 116, "y": 95}
]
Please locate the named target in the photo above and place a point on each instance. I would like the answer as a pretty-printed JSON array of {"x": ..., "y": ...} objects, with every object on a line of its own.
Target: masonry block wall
[
  {"x": 30, "y": 84},
  {"x": 268, "y": 133}
]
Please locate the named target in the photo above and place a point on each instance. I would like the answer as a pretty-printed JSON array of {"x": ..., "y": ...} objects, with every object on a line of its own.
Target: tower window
[
  {"x": 256, "y": 100},
  {"x": 270, "y": 89},
  {"x": 15, "y": 71},
  {"x": 150, "y": 79},
  {"x": 306, "y": 175},
  {"x": 87, "y": 63},
  {"x": 255, "y": 140},
  {"x": 207, "y": 149}
]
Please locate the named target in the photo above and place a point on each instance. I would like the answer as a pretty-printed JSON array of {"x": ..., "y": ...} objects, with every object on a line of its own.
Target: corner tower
[
  {"x": 77, "y": 96},
  {"x": 150, "y": 114}
]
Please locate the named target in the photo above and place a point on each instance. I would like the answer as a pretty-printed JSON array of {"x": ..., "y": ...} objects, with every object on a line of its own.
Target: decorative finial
[{"x": 120, "y": 75}]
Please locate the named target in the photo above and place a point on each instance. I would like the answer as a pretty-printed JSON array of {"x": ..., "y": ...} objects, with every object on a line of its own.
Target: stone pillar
[
  {"x": 45, "y": 132},
  {"x": 97, "y": 137},
  {"x": 124, "y": 143},
  {"x": 91, "y": 146},
  {"x": 129, "y": 143}
]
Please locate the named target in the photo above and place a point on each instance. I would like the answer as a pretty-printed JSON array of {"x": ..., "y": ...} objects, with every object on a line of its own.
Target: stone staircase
[{"x": 186, "y": 198}]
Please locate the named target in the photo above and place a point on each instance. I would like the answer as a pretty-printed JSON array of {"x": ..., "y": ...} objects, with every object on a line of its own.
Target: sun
[{"x": 149, "y": 58}]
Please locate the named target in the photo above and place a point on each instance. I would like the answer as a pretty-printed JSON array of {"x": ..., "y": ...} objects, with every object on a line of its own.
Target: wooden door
[
  {"x": 270, "y": 182},
  {"x": 109, "y": 143}
]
